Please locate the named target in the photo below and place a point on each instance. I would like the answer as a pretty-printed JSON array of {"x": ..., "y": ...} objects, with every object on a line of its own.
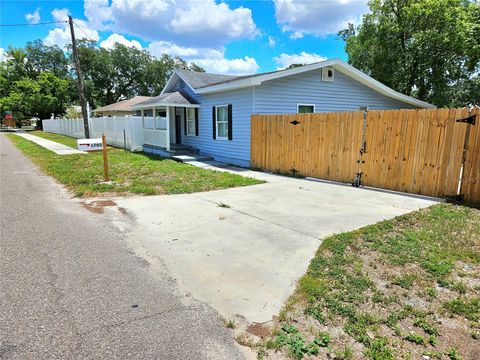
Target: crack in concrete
[{"x": 262, "y": 219}]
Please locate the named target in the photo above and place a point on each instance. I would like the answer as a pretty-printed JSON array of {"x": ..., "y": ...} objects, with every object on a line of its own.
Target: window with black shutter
[{"x": 222, "y": 122}]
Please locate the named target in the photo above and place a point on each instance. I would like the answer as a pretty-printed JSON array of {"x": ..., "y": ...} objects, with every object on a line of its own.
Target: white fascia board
[
  {"x": 169, "y": 82},
  {"x": 160, "y": 104}
]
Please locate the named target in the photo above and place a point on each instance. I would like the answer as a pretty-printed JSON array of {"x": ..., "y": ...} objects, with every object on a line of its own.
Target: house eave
[{"x": 157, "y": 105}]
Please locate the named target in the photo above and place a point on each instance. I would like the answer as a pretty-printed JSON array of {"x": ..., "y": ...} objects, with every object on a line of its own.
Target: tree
[
  {"x": 36, "y": 80},
  {"x": 36, "y": 97},
  {"x": 295, "y": 65},
  {"x": 123, "y": 72},
  {"x": 429, "y": 49}
]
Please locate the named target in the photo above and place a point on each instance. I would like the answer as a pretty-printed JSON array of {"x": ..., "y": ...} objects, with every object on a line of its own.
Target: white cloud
[
  {"x": 212, "y": 60},
  {"x": 191, "y": 29},
  {"x": 271, "y": 41},
  {"x": 99, "y": 13},
  {"x": 213, "y": 20},
  {"x": 187, "y": 22},
  {"x": 33, "y": 18},
  {"x": 285, "y": 60},
  {"x": 158, "y": 48},
  {"x": 317, "y": 17},
  {"x": 110, "y": 42},
  {"x": 221, "y": 65},
  {"x": 61, "y": 35},
  {"x": 296, "y": 35}
]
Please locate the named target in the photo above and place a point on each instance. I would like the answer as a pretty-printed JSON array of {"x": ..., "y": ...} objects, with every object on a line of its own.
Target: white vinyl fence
[{"x": 120, "y": 131}]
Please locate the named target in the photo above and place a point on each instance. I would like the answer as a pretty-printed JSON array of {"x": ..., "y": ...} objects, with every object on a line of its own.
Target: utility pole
[{"x": 80, "y": 87}]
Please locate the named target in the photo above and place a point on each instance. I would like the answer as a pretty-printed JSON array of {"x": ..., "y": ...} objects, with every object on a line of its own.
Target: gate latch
[
  {"x": 358, "y": 179},
  {"x": 469, "y": 120},
  {"x": 294, "y": 122}
]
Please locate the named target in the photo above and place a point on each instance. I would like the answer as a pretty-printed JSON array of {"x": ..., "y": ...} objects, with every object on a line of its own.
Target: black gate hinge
[
  {"x": 469, "y": 119},
  {"x": 294, "y": 122}
]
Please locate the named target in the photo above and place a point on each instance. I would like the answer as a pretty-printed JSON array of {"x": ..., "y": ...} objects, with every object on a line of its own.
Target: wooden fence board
[
  {"x": 415, "y": 151},
  {"x": 471, "y": 177}
]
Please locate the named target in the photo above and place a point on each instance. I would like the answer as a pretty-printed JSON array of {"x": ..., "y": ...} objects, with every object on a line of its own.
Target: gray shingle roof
[
  {"x": 201, "y": 79},
  {"x": 176, "y": 98},
  {"x": 125, "y": 105}
]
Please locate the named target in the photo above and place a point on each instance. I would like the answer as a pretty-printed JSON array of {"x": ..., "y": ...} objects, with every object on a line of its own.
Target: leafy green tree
[
  {"x": 36, "y": 97},
  {"x": 429, "y": 49}
]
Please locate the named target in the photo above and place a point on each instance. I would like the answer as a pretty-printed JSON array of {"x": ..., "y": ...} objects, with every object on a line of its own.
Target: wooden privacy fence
[{"x": 433, "y": 152}]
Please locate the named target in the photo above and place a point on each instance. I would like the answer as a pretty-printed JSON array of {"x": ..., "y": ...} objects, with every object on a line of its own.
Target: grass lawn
[
  {"x": 130, "y": 173},
  {"x": 407, "y": 288}
]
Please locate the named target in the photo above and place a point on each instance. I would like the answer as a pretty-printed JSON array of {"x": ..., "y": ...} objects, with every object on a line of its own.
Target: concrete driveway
[{"x": 242, "y": 250}]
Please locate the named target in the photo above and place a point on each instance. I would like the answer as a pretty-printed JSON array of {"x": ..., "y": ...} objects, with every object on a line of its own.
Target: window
[
  {"x": 305, "y": 108},
  {"x": 191, "y": 122},
  {"x": 160, "y": 119},
  {"x": 222, "y": 122}
]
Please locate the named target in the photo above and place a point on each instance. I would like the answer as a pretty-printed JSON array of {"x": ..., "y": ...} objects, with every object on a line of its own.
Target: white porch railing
[
  {"x": 156, "y": 131},
  {"x": 155, "y": 137}
]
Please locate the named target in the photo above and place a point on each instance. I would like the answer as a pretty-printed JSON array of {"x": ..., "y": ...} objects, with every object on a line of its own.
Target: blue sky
[{"x": 236, "y": 37}]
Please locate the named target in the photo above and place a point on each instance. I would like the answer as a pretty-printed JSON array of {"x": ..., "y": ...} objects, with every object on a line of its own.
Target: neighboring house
[
  {"x": 211, "y": 113},
  {"x": 120, "y": 108}
]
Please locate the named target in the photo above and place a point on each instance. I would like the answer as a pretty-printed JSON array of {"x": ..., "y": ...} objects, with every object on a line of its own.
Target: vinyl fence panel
[{"x": 123, "y": 131}]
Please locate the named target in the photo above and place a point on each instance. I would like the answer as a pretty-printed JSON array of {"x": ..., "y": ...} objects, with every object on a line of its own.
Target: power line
[
  {"x": 83, "y": 30},
  {"x": 40, "y": 23}
]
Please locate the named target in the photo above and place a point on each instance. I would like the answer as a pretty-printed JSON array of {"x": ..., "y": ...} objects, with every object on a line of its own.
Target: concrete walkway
[
  {"x": 242, "y": 250},
  {"x": 57, "y": 148}
]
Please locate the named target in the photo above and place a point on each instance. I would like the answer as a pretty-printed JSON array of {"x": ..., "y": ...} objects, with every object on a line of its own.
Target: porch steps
[{"x": 192, "y": 158}]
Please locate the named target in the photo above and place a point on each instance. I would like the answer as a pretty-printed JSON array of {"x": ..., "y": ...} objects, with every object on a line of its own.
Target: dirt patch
[
  {"x": 259, "y": 330},
  {"x": 99, "y": 205}
]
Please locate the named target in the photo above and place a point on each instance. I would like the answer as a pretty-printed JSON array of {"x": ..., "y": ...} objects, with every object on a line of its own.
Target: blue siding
[
  {"x": 237, "y": 150},
  {"x": 181, "y": 86},
  {"x": 282, "y": 95},
  {"x": 276, "y": 97}
]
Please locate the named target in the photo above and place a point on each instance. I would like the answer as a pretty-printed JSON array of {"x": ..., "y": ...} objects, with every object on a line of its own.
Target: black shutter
[
  {"x": 214, "y": 132},
  {"x": 196, "y": 121},
  {"x": 230, "y": 129},
  {"x": 185, "y": 120}
]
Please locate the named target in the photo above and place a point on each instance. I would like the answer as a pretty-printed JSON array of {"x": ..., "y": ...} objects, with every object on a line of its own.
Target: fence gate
[{"x": 417, "y": 151}]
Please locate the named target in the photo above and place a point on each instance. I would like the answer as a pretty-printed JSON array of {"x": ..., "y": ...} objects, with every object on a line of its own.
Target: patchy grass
[
  {"x": 130, "y": 173},
  {"x": 398, "y": 289}
]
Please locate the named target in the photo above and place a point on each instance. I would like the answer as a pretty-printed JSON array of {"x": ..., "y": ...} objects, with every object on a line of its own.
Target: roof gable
[{"x": 204, "y": 83}]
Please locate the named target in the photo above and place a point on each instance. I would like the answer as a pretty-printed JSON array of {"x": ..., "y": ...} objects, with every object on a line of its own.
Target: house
[
  {"x": 120, "y": 108},
  {"x": 211, "y": 113}
]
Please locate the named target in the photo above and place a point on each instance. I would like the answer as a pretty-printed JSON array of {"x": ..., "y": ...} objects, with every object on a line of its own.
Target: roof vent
[{"x": 328, "y": 74}]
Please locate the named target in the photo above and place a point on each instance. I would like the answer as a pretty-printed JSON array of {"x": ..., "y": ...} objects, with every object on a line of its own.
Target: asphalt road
[{"x": 71, "y": 289}]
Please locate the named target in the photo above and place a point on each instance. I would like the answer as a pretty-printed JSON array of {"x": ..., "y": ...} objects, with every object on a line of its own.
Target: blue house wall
[
  {"x": 282, "y": 95},
  {"x": 277, "y": 96},
  {"x": 235, "y": 151}
]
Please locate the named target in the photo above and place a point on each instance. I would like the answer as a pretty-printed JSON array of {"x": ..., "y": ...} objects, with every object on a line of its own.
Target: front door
[{"x": 178, "y": 129}]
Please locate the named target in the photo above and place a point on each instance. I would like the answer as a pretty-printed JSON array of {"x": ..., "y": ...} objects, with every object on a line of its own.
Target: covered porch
[{"x": 165, "y": 118}]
